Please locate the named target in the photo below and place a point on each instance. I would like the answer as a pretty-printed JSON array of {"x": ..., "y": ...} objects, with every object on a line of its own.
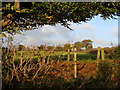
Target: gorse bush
[
  {"x": 104, "y": 70},
  {"x": 116, "y": 53}
]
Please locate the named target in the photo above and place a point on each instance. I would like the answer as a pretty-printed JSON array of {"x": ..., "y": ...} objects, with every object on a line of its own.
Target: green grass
[{"x": 61, "y": 56}]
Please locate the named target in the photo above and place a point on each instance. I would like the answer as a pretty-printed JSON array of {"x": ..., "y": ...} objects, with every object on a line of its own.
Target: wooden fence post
[
  {"x": 103, "y": 55},
  {"x": 75, "y": 63},
  {"x": 68, "y": 54},
  {"x": 98, "y": 53}
]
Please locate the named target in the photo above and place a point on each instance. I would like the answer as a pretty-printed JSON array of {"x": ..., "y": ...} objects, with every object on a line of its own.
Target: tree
[
  {"x": 59, "y": 48},
  {"x": 21, "y": 47},
  {"x": 50, "y": 48},
  {"x": 42, "y": 47},
  {"x": 87, "y": 44},
  {"x": 67, "y": 46},
  {"x": 78, "y": 45},
  {"x": 31, "y": 15}
]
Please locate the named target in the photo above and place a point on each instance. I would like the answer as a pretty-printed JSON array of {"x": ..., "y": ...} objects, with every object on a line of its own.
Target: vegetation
[
  {"x": 33, "y": 68},
  {"x": 21, "y": 16}
]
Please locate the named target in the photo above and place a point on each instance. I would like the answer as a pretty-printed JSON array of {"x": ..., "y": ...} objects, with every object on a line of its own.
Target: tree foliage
[
  {"x": 87, "y": 44},
  {"x": 78, "y": 45},
  {"x": 31, "y": 15},
  {"x": 50, "y": 48},
  {"x": 42, "y": 47},
  {"x": 67, "y": 46},
  {"x": 20, "y": 47}
]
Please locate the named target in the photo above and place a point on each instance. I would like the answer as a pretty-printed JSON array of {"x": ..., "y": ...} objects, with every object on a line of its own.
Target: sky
[{"x": 101, "y": 32}]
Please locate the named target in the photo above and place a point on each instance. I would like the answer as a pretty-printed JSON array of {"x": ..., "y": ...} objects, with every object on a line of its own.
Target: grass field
[{"x": 56, "y": 55}]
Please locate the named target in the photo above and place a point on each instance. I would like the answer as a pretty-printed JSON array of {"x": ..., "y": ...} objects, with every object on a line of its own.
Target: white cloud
[
  {"x": 56, "y": 35},
  {"x": 59, "y": 35},
  {"x": 47, "y": 34}
]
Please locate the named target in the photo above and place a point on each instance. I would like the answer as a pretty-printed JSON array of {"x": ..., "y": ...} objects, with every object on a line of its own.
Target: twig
[{"x": 82, "y": 67}]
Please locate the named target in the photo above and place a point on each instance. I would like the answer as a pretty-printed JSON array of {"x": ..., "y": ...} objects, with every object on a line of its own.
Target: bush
[
  {"x": 116, "y": 53},
  {"x": 91, "y": 51},
  {"x": 104, "y": 73},
  {"x": 104, "y": 70}
]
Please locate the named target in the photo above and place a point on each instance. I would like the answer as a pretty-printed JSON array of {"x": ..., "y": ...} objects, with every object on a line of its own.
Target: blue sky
[{"x": 101, "y": 32}]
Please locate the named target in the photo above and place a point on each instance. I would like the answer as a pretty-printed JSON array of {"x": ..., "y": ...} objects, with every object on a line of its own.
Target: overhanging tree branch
[{"x": 31, "y": 15}]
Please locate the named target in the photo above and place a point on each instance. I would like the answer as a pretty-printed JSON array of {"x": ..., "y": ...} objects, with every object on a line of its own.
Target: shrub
[
  {"x": 91, "y": 51},
  {"x": 116, "y": 53},
  {"x": 104, "y": 69}
]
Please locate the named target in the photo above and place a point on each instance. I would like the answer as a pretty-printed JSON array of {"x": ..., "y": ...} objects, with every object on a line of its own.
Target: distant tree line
[
  {"x": 110, "y": 52},
  {"x": 87, "y": 44}
]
